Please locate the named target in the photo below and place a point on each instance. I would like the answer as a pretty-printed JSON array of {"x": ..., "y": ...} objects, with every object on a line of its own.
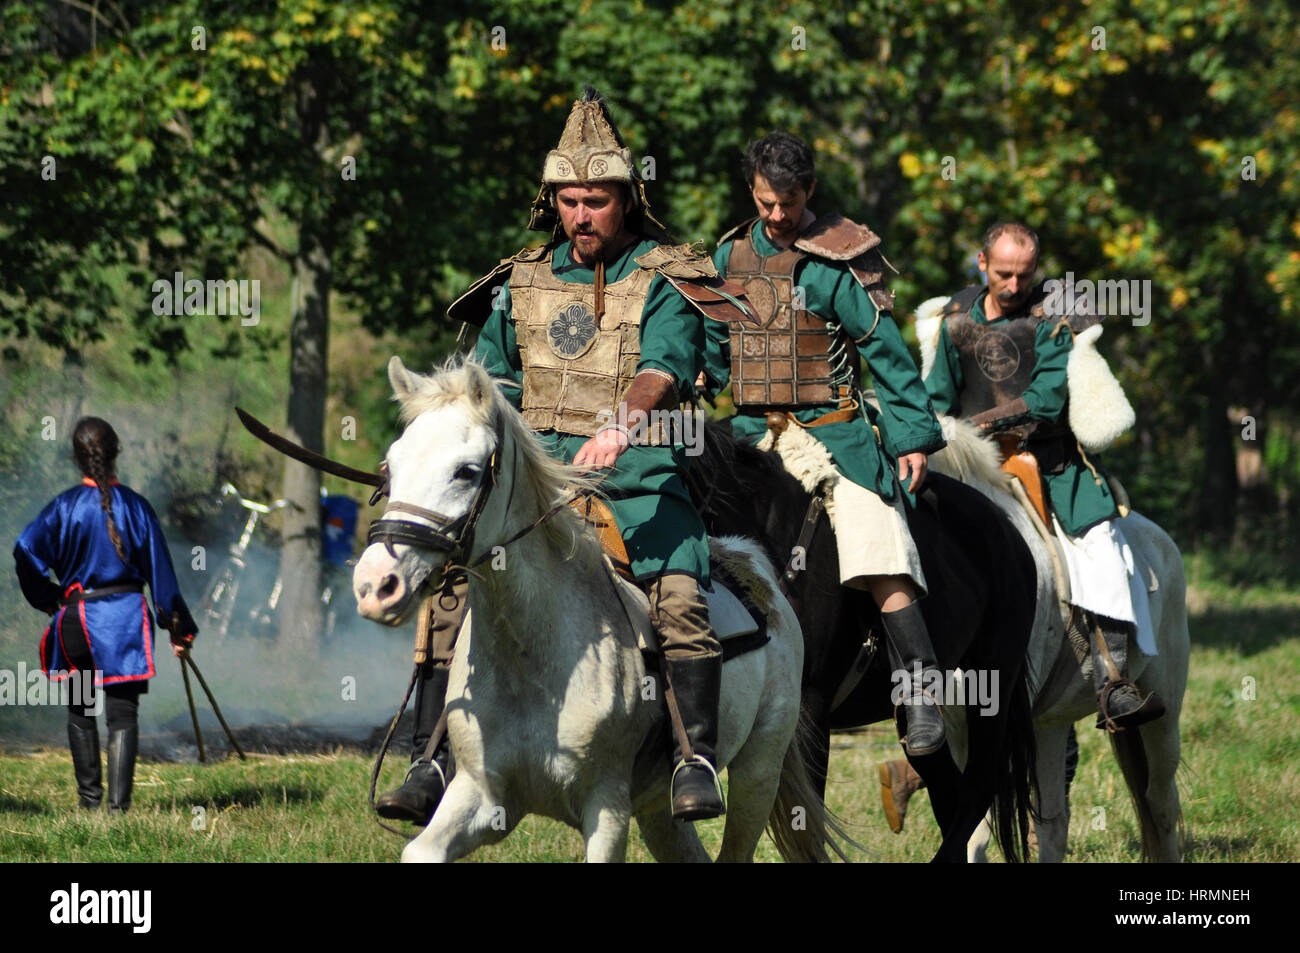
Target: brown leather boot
[{"x": 898, "y": 782}]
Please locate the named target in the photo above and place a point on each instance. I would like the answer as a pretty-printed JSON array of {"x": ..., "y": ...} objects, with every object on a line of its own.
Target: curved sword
[{"x": 303, "y": 455}]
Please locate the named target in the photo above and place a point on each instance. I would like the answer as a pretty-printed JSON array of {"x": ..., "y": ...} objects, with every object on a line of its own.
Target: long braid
[{"x": 95, "y": 446}]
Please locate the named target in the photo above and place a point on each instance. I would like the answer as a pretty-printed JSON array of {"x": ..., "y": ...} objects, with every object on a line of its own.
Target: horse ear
[
  {"x": 479, "y": 386},
  {"x": 400, "y": 378}
]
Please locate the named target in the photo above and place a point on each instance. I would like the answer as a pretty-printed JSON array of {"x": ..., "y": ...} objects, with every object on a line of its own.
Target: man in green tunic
[
  {"x": 1001, "y": 359},
  {"x": 817, "y": 284},
  {"x": 594, "y": 336}
]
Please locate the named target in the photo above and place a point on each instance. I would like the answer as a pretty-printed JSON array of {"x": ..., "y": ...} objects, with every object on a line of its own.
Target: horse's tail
[
  {"x": 1012, "y": 805},
  {"x": 803, "y": 828},
  {"x": 1132, "y": 757}
]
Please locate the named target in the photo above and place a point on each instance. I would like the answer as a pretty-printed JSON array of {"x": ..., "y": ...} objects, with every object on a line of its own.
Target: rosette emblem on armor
[
  {"x": 998, "y": 356},
  {"x": 572, "y": 330}
]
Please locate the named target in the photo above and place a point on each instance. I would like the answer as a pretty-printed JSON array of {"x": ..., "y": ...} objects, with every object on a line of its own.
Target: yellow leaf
[
  {"x": 304, "y": 17},
  {"x": 1062, "y": 86},
  {"x": 910, "y": 165},
  {"x": 1178, "y": 298}
]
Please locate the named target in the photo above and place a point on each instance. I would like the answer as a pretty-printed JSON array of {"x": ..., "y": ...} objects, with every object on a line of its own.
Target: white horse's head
[
  {"x": 439, "y": 466},
  {"x": 440, "y": 474}
]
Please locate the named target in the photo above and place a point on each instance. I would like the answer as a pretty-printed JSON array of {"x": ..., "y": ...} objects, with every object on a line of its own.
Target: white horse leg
[
  {"x": 670, "y": 841},
  {"x": 977, "y": 848},
  {"x": 752, "y": 780},
  {"x": 605, "y": 820},
  {"x": 463, "y": 822},
  {"x": 1053, "y": 827}
]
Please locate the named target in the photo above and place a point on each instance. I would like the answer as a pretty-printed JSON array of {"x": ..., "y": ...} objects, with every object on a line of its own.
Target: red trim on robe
[
  {"x": 148, "y": 651},
  {"x": 112, "y": 481}
]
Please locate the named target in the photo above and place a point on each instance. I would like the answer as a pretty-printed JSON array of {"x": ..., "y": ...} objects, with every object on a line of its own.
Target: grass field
[{"x": 1240, "y": 780}]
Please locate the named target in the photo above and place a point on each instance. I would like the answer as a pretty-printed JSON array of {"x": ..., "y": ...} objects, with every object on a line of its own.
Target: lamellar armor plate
[
  {"x": 576, "y": 368},
  {"x": 796, "y": 357}
]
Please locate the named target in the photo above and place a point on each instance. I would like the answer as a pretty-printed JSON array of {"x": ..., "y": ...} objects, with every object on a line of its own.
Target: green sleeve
[
  {"x": 944, "y": 382},
  {"x": 1048, "y": 391},
  {"x": 498, "y": 352},
  {"x": 672, "y": 336},
  {"x": 907, "y": 420}
]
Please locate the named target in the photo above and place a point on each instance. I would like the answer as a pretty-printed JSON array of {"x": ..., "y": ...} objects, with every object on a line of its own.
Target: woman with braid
[{"x": 102, "y": 542}]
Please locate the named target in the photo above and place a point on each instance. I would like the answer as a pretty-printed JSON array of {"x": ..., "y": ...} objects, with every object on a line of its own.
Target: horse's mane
[{"x": 467, "y": 382}]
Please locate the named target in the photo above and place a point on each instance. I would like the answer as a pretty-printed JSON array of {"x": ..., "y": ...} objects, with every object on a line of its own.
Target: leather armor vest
[
  {"x": 795, "y": 358},
  {"x": 998, "y": 361},
  {"x": 576, "y": 371}
]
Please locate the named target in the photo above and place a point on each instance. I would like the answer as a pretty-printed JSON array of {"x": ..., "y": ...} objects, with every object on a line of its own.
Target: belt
[
  {"x": 778, "y": 420},
  {"x": 101, "y": 592}
]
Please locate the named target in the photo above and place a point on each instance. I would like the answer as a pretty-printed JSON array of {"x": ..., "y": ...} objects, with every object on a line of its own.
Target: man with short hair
[
  {"x": 588, "y": 335},
  {"x": 1001, "y": 358},
  {"x": 817, "y": 284}
]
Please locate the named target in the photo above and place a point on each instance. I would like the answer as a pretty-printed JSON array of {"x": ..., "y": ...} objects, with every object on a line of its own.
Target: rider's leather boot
[
  {"x": 122, "y": 746},
  {"x": 1119, "y": 702},
  {"x": 696, "y": 683},
  {"x": 84, "y": 743},
  {"x": 898, "y": 782},
  {"x": 909, "y": 644},
  {"x": 418, "y": 797}
]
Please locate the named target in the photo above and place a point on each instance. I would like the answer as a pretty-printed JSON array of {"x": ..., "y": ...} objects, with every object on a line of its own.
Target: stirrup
[
  {"x": 713, "y": 773},
  {"x": 442, "y": 775},
  {"x": 1142, "y": 713}
]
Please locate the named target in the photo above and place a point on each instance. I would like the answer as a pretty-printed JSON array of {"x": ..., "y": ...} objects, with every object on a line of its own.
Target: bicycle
[{"x": 218, "y": 605}]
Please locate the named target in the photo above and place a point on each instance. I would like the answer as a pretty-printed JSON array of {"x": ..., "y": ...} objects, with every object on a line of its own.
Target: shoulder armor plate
[
  {"x": 678, "y": 261},
  {"x": 474, "y": 306},
  {"x": 835, "y": 237}
]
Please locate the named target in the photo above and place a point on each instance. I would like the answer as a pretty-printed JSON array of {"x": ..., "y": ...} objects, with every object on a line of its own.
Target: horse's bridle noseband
[{"x": 452, "y": 536}]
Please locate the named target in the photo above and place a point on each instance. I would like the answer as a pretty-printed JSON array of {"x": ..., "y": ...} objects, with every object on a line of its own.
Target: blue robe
[{"x": 70, "y": 539}]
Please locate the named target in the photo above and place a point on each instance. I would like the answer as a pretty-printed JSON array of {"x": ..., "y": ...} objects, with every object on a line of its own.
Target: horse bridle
[
  {"x": 447, "y": 535},
  {"x": 452, "y": 536}
]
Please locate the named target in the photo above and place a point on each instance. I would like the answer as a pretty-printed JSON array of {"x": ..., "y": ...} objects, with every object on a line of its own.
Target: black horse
[{"x": 979, "y": 610}]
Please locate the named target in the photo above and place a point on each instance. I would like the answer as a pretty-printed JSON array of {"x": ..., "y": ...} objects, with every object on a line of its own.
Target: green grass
[{"x": 1239, "y": 782}]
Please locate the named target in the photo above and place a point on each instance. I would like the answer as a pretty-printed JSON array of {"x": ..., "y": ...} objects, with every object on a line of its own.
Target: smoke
[{"x": 350, "y": 685}]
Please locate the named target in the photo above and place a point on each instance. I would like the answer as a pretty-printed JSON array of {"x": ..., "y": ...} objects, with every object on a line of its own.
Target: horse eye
[{"x": 467, "y": 472}]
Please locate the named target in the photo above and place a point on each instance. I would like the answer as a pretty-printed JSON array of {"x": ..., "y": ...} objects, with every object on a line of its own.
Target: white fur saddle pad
[{"x": 727, "y": 614}]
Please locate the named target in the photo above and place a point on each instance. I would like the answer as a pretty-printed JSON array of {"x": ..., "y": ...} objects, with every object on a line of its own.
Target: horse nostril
[{"x": 388, "y": 587}]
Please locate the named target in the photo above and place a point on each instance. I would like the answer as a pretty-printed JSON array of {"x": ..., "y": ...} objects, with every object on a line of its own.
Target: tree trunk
[
  {"x": 1218, "y": 502},
  {"x": 301, "y": 612}
]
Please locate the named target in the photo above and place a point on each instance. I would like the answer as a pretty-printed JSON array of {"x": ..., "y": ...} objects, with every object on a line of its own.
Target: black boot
[
  {"x": 84, "y": 743},
  {"x": 418, "y": 797},
  {"x": 696, "y": 791},
  {"x": 122, "y": 746},
  {"x": 1119, "y": 702},
  {"x": 909, "y": 644}
]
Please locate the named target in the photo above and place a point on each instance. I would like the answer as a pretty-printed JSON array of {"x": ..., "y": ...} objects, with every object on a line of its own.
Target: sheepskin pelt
[{"x": 1099, "y": 411}]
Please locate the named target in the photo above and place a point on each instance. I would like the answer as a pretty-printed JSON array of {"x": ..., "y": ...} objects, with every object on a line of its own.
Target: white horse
[
  {"x": 548, "y": 701},
  {"x": 1149, "y": 754}
]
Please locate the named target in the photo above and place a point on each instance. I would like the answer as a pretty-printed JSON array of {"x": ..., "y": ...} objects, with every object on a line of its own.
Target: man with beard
[{"x": 590, "y": 335}]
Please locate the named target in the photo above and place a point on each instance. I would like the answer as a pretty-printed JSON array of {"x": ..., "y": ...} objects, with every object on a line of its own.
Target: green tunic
[
  {"x": 646, "y": 487},
  {"x": 1078, "y": 499},
  {"x": 905, "y": 419}
]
